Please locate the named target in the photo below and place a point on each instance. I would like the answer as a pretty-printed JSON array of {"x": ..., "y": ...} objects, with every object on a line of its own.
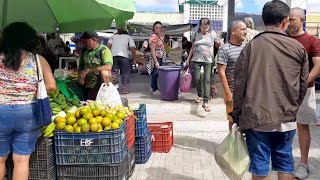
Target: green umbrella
[{"x": 67, "y": 15}]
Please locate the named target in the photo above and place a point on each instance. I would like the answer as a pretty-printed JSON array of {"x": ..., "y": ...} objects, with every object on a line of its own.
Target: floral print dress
[{"x": 19, "y": 87}]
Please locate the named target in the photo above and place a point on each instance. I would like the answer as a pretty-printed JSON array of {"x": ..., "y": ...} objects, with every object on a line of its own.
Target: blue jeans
[
  {"x": 154, "y": 76},
  {"x": 277, "y": 146},
  {"x": 18, "y": 129}
]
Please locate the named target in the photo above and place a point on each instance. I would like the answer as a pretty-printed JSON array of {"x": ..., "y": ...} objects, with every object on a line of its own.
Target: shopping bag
[
  {"x": 150, "y": 65},
  {"x": 185, "y": 81},
  {"x": 232, "y": 155},
  {"x": 43, "y": 110},
  {"x": 108, "y": 95}
]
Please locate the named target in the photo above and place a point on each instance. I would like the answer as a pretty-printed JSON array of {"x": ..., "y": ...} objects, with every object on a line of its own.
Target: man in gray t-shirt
[{"x": 226, "y": 60}]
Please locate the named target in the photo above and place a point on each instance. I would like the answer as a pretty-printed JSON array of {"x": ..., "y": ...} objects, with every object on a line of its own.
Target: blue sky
[{"x": 248, "y": 6}]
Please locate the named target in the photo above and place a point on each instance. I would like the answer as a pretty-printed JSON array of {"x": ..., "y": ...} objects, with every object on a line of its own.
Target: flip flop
[
  {"x": 206, "y": 107},
  {"x": 198, "y": 100}
]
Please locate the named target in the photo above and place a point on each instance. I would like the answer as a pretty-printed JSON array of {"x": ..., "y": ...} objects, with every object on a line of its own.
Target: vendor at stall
[{"x": 95, "y": 65}]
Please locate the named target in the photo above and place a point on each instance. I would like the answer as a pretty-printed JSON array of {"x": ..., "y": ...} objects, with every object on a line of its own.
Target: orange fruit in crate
[
  {"x": 119, "y": 121},
  {"x": 106, "y": 122},
  {"x": 69, "y": 129},
  {"x": 75, "y": 125},
  {"x": 115, "y": 125},
  {"x": 78, "y": 114},
  {"x": 95, "y": 112},
  {"x": 85, "y": 128},
  {"x": 94, "y": 127},
  {"x": 99, "y": 119},
  {"x": 107, "y": 128},
  {"x": 71, "y": 119},
  {"x": 85, "y": 110},
  {"x": 59, "y": 119},
  {"x": 60, "y": 125},
  {"x": 103, "y": 113},
  {"x": 110, "y": 116},
  {"x": 100, "y": 128},
  {"x": 77, "y": 129},
  {"x": 120, "y": 114},
  {"x": 92, "y": 120},
  {"x": 82, "y": 121},
  {"x": 87, "y": 116}
]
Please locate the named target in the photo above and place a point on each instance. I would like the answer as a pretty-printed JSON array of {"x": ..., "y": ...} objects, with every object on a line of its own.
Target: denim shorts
[
  {"x": 276, "y": 146},
  {"x": 18, "y": 129}
]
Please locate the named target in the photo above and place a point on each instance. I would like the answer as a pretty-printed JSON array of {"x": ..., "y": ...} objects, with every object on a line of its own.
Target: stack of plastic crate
[
  {"x": 143, "y": 136},
  {"x": 41, "y": 164},
  {"x": 92, "y": 156}
]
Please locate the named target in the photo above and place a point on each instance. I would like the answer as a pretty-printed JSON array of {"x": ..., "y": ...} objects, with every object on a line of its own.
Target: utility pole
[{"x": 231, "y": 14}]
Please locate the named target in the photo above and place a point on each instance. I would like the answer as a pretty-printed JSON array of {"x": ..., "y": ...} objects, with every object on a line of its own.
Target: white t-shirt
[{"x": 120, "y": 44}]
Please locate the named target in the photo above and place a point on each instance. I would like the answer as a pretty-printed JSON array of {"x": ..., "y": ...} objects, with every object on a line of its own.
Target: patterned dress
[{"x": 19, "y": 87}]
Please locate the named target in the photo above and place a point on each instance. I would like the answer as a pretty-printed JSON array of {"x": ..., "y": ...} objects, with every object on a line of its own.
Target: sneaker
[
  {"x": 157, "y": 92},
  {"x": 302, "y": 171}
]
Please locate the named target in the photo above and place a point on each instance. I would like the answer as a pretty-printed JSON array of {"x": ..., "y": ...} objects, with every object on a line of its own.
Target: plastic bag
[
  {"x": 232, "y": 155},
  {"x": 108, "y": 95},
  {"x": 185, "y": 81}
]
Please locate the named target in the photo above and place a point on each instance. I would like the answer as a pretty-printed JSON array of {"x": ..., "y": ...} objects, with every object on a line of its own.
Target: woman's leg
[
  {"x": 21, "y": 167},
  {"x": 206, "y": 81},
  {"x": 2, "y": 167},
  {"x": 206, "y": 86},
  {"x": 197, "y": 74}
]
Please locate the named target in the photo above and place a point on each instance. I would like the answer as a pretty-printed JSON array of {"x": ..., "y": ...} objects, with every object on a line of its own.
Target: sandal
[
  {"x": 198, "y": 100},
  {"x": 206, "y": 107}
]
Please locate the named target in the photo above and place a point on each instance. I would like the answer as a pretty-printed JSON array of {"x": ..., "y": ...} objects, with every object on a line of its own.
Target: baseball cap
[{"x": 89, "y": 34}]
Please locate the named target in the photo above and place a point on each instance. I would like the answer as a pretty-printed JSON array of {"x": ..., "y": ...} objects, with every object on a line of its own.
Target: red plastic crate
[
  {"x": 162, "y": 136},
  {"x": 130, "y": 131}
]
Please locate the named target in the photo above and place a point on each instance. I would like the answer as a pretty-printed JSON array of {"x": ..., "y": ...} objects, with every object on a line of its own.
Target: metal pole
[{"x": 231, "y": 14}]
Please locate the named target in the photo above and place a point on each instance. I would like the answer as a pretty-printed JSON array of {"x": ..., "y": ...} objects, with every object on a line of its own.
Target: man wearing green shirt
[{"x": 95, "y": 64}]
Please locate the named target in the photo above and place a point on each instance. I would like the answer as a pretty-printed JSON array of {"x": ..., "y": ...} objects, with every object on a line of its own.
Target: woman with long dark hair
[
  {"x": 18, "y": 89},
  {"x": 158, "y": 53},
  {"x": 202, "y": 54}
]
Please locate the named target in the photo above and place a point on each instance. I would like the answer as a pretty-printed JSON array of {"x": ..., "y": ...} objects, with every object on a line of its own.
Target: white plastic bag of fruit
[
  {"x": 232, "y": 155},
  {"x": 108, "y": 95}
]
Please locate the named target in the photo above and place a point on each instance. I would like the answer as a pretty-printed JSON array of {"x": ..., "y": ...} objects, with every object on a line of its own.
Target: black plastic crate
[
  {"x": 131, "y": 162},
  {"x": 143, "y": 148},
  {"x": 107, "y": 147},
  {"x": 93, "y": 172},
  {"x": 42, "y": 163}
]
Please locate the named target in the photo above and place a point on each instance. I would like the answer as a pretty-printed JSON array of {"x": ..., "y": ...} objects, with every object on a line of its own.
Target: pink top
[
  {"x": 160, "y": 48},
  {"x": 19, "y": 87}
]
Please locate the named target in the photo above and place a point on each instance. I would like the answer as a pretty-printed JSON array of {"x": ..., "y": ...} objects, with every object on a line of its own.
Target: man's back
[{"x": 275, "y": 77}]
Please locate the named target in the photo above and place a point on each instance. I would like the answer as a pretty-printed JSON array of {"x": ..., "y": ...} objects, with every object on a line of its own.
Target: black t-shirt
[{"x": 187, "y": 46}]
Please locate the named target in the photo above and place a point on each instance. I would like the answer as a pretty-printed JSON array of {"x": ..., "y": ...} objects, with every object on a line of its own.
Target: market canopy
[
  {"x": 66, "y": 15},
  {"x": 167, "y": 29}
]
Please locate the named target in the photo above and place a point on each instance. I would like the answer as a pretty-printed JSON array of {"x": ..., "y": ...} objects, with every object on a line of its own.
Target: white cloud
[{"x": 155, "y": 5}]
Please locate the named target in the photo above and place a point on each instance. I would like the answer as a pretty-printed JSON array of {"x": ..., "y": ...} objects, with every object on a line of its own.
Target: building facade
[{"x": 194, "y": 10}]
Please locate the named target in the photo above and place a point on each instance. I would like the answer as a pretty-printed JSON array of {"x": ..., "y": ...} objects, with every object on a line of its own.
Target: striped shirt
[{"x": 228, "y": 55}]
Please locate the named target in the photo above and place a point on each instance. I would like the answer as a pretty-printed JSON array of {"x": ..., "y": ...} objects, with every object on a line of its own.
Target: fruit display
[
  {"x": 91, "y": 118},
  {"x": 59, "y": 102}
]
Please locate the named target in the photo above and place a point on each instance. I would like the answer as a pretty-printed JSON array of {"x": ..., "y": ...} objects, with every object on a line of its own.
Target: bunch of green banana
[
  {"x": 73, "y": 102},
  {"x": 47, "y": 131}
]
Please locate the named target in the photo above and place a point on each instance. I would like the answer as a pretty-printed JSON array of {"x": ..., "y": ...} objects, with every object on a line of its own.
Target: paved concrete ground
[{"x": 196, "y": 134}]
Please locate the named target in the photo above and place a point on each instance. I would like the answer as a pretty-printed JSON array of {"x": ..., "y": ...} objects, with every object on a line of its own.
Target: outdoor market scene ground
[{"x": 196, "y": 134}]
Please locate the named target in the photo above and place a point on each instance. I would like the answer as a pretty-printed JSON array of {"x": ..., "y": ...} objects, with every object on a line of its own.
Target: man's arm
[
  {"x": 304, "y": 78},
  {"x": 240, "y": 82},
  {"x": 315, "y": 72},
  {"x": 222, "y": 62},
  {"x": 132, "y": 47}
]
